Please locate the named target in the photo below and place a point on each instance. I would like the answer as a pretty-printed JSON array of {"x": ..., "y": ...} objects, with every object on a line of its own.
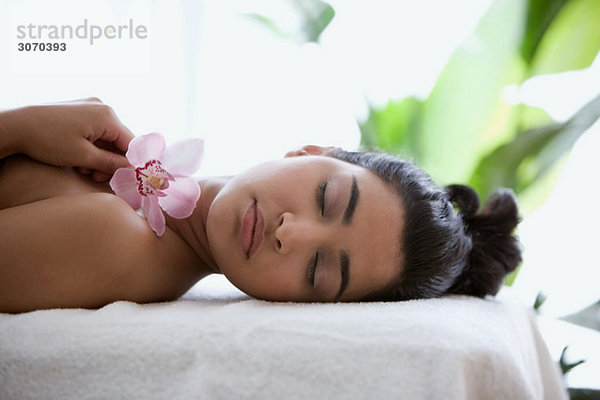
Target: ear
[{"x": 312, "y": 150}]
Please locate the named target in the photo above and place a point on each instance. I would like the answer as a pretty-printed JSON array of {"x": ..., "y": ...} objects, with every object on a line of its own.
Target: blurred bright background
[{"x": 484, "y": 92}]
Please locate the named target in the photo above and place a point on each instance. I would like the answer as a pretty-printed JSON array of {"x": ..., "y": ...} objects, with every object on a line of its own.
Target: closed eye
[
  {"x": 321, "y": 196},
  {"x": 312, "y": 269},
  {"x": 321, "y": 204}
]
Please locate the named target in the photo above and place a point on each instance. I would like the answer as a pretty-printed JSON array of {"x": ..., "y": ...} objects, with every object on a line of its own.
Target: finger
[
  {"x": 110, "y": 146},
  {"x": 84, "y": 171},
  {"x": 100, "y": 176},
  {"x": 118, "y": 137},
  {"x": 125, "y": 136},
  {"x": 106, "y": 161}
]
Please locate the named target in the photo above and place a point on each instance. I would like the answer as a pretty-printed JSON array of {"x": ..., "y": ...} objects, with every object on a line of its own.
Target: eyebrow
[
  {"x": 346, "y": 220},
  {"x": 352, "y": 203}
]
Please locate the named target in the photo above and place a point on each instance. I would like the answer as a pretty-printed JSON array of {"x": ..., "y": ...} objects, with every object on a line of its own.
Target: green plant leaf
[
  {"x": 589, "y": 317},
  {"x": 464, "y": 98},
  {"x": 540, "y": 14},
  {"x": 270, "y": 25},
  {"x": 572, "y": 41},
  {"x": 314, "y": 16},
  {"x": 317, "y": 16},
  {"x": 532, "y": 153},
  {"x": 539, "y": 300},
  {"x": 516, "y": 118},
  {"x": 510, "y": 278},
  {"x": 532, "y": 197},
  {"x": 583, "y": 393},
  {"x": 394, "y": 128},
  {"x": 566, "y": 366}
]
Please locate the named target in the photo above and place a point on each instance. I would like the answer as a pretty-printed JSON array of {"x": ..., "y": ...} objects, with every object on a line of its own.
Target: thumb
[{"x": 106, "y": 161}]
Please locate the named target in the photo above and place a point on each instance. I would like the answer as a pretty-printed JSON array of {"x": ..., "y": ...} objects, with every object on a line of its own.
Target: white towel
[{"x": 240, "y": 348}]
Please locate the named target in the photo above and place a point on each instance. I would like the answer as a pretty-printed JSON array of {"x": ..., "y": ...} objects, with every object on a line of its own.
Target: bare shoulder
[{"x": 87, "y": 250}]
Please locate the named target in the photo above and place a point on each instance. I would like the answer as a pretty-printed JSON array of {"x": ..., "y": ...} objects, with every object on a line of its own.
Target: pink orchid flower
[{"x": 161, "y": 178}]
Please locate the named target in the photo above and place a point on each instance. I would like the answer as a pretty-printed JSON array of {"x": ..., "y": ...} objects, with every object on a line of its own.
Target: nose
[{"x": 298, "y": 232}]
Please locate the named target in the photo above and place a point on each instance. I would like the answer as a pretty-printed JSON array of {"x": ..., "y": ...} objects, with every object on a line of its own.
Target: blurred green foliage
[
  {"x": 571, "y": 40},
  {"x": 313, "y": 17},
  {"x": 465, "y": 132},
  {"x": 540, "y": 299},
  {"x": 540, "y": 14},
  {"x": 566, "y": 366}
]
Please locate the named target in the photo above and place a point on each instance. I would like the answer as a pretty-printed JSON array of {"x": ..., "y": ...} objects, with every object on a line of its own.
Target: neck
[{"x": 192, "y": 230}]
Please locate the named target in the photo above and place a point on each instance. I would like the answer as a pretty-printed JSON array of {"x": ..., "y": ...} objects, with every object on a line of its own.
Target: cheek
[{"x": 280, "y": 281}]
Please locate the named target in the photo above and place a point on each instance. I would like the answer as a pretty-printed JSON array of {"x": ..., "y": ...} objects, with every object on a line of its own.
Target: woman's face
[{"x": 272, "y": 224}]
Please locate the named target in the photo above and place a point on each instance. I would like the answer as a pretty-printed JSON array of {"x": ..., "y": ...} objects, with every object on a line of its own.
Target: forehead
[{"x": 373, "y": 237}]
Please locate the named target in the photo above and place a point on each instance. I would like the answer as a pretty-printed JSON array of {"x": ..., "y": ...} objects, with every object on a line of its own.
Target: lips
[{"x": 252, "y": 230}]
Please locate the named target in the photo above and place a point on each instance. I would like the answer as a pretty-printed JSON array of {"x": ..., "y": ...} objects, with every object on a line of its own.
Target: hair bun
[
  {"x": 496, "y": 252},
  {"x": 465, "y": 197}
]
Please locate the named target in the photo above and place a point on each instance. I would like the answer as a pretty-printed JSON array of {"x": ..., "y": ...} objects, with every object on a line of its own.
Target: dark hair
[{"x": 444, "y": 250}]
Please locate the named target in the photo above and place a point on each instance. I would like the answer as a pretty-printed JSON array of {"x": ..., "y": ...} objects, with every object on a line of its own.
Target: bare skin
[
  {"x": 72, "y": 265},
  {"x": 67, "y": 241},
  {"x": 88, "y": 248}
]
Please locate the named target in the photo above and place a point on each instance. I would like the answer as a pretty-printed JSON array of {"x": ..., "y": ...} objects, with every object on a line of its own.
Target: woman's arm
[
  {"x": 83, "y": 133},
  {"x": 87, "y": 251}
]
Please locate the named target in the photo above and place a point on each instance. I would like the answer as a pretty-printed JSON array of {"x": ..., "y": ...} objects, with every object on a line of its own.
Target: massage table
[{"x": 217, "y": 343}]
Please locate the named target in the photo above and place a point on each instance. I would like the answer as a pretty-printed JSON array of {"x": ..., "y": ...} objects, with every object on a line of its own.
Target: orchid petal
[
  {"x": 124, "y": 184},
  {"x": 182, "y": 195},
  {"x": 183, "y": 158},
  {"x": 145, "y": 148},
  {"x": 160, "y": 179},
  {"x": 154, "y": 215}
]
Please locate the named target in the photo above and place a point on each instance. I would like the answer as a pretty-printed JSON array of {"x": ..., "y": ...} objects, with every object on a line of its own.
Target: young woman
[{"x": 329, "y": 225}]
